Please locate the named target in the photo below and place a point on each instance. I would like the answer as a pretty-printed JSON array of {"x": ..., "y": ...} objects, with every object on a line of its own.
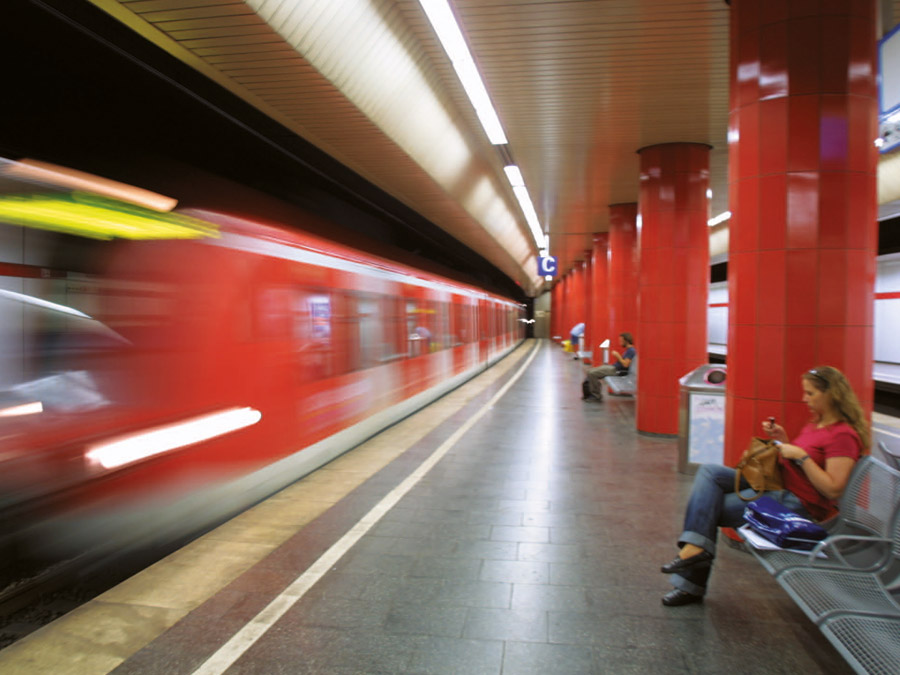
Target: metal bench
[
  {"x": 853, "y": 594},
  {"x": 623, "y": 385},
  {"x": 865, "y": 515}
]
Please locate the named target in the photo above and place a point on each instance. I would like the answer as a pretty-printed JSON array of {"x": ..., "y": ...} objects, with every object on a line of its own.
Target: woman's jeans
[{"x": 714, "y": 504}]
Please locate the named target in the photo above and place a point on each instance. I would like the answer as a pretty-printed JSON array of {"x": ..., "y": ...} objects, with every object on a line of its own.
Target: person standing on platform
[
  {"x": 592, "y": 387},
  {"x": 815, "y": 468},
  {"x": 574, "y": 336}
]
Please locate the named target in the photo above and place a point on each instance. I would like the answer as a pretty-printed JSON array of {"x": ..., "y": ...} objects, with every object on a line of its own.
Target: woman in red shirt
[{"x": 816, "y": 466}]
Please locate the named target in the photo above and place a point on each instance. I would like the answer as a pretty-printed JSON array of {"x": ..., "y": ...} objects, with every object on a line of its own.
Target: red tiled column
[
  {"x": 623, "y": 272},
  {"x": 554, "y": 310},
  {"x": 674, "y": 281},
  {"x": 577, "y": 294},
  {"x": 569, "y": 310},
  {"x": 803, "y": 235},
  {"x": 587, "y": 296},
  {"x": 599, "y": 295}
]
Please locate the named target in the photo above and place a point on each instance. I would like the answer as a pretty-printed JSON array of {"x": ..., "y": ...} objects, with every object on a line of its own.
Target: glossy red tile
[
  {"x": 862, "y": 113},
  {"x": 834, "y": 132},
  {"x": 800, "y": 295},
  {"x": 749, "y": 156},
  {"x": 832, "y": 287},
  {"x": 748, "y": 67},
  {"x": 773, "y": 135},
  {"x": 804, "y": 44},
  {"x": 769, "y": 361},
  {"x": 845, "y": 8},
  {"x": 803, "y": 8},
  {"x": 863, "y": 58},
  {"x": 835, "y": 55},
  {"x": 773, "y": 12},
  {"x": 772, "y": 211},
  {"x": 803, "y": 133},
  {"x": 831, "y": 346},
  {"x": 799, "y": 356},
  {"x": 742, "y": 272},
  {"x": 771, "y": 287},
  {"x": 834, "y": 216},
  {"x": 773, "y": 60},
  {"x": 802, "y": 209}
]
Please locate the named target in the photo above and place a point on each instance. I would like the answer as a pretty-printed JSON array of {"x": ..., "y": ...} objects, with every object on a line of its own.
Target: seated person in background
[
  {"x": 574, "y": 334},
  {"x": 592, "y": 387},
  {"x": 815, "y": 468}
]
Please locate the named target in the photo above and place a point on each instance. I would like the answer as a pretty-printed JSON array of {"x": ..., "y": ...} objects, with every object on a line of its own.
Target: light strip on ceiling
[
  {"x": 444, "y": 23},
  {"x": 518, "y": 185}
]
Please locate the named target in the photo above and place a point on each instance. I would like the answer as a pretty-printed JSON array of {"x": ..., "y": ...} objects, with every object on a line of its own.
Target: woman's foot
[
  {"x": 677, "y": 597},
  {"x": 680, "y": 563}
]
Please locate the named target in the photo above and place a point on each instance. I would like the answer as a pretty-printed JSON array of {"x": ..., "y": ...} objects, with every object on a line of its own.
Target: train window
[
  {"x": 373, "y": 345},
  {"x": 312, "y": 333},
  {"x": 443, "y": 326},
  {"x": 422, "y": 327},
  {"x": 394, "y": 328}
]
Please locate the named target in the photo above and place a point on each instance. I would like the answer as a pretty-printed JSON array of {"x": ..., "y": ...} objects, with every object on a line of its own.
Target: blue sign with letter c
[{"x": 547, "y": 266}]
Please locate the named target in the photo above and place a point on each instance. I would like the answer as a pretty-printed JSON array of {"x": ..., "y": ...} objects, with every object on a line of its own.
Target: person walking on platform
[
  {"x": 574, "y": 338},
  {"x": 815, "y": 469},
  {"x": 592, "y": 387}
]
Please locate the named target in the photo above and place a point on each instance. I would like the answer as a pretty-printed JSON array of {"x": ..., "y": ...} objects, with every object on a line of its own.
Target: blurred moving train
[{"x": 179, "y": 380}]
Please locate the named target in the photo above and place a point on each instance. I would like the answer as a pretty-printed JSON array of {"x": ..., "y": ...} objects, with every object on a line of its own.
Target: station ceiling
[{"x": 579, "y": 86}]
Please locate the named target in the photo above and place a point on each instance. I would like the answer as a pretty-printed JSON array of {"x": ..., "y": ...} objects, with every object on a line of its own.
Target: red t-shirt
[{"x": 835, "y": 440}]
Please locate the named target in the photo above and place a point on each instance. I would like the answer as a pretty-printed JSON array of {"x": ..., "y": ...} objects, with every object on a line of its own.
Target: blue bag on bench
[{"x": 781, "y": 526}]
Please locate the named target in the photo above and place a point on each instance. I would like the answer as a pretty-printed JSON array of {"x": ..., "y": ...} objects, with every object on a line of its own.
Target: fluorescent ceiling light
[
  {"x": 531, "y": 218},
  {"x": 514, "y": 175},
  {"x": 721, "y": 218},
  {"x": 444, "y": 23},
  {"x": 171, "y": 437}
]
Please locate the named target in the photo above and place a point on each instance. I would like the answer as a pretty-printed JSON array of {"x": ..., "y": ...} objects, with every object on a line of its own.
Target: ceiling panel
[{"x": 579, "y": 85}]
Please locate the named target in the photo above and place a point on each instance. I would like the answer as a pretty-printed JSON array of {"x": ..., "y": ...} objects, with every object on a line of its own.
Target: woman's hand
[
  {"x": 831, "y": 480},
  {"x": 775, "y": 431},
  {"x": 792, "y": 452}
]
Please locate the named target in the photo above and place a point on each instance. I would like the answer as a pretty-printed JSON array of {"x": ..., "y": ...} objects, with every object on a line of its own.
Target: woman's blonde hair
[{"x": 835, "y": 384}]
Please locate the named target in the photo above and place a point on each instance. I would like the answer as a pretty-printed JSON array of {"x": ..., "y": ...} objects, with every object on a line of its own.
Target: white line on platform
[{"x": 232, "y": 650}]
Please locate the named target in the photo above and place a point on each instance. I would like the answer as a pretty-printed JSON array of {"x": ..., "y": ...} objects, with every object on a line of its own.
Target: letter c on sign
[{"x": 547, "y": 266}]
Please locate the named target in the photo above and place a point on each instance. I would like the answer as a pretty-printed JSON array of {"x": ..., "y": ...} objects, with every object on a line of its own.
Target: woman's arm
[{"x": 831, "y": 480}]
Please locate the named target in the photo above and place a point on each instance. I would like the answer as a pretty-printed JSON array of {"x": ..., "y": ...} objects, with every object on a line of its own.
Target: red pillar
[
  {"x": 674, "y": 281},
  {"x": 577, "y": 294},
  {"x": 554, "y": 310},
  {"x": 801, "y": 267},
  {"x": 599, "y": 295},
  {"x": 623, "y": 272},
  {"x": 568, "y": 282},
  {"x": 587, "y": 296}
]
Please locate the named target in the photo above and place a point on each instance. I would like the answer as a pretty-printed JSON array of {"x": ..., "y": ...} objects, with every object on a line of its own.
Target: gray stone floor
[{"x": 534, "y": 547}]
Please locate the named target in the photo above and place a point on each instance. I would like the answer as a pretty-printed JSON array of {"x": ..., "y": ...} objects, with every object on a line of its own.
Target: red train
[{"x": 184, "y": 379}]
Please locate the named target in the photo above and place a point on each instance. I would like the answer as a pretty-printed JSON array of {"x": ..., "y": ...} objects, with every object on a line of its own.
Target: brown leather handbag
[{"x": 759, "y": 466}]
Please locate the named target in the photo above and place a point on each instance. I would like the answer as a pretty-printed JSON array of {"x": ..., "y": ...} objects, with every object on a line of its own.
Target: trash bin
[{"x": 701, "y": 417}]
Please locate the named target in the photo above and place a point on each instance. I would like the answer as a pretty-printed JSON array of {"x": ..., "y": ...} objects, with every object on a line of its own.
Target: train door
[{"x": 484, "y": 330}]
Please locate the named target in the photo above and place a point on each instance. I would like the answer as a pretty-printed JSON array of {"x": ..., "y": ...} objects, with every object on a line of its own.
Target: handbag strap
[{"x": 737, "y": 486}]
